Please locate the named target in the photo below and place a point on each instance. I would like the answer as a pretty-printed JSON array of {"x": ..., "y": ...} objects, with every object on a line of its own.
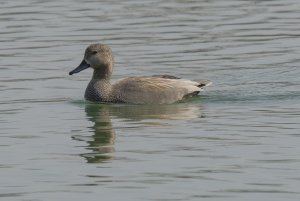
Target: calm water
[{"x": 238, "y": 141}]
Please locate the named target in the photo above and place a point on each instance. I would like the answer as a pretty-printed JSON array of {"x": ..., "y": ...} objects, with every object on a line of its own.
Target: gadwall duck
[{"x": 156, "y": 89}]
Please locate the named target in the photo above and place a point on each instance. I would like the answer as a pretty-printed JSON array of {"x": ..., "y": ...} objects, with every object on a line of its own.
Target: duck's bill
[{"x": 83, "y": 65}]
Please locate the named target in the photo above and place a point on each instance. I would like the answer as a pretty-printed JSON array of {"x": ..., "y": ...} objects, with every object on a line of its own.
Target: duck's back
[{"x": 154, "y": 89}]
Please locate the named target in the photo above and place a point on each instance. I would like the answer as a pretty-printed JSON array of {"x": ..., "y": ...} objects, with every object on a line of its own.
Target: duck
[{"x": 155, "y": 89}]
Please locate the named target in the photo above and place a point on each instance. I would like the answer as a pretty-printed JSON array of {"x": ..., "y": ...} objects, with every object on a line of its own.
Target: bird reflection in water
[{"x": 101, "y": 143}]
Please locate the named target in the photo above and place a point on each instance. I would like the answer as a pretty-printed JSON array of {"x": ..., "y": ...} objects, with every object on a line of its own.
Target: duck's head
[{"x": 96, "y": 56}]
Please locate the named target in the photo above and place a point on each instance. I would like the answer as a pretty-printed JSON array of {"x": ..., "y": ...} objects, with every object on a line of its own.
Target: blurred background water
[{"x": 239, "y": 140}]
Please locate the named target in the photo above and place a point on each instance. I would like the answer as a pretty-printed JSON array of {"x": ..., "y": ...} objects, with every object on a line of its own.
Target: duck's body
[
  {"x": 142, "y": 90},
  {"x": 157, "y": 89}
]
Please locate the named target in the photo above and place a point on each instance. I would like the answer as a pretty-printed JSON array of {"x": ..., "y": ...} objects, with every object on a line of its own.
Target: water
[{"x": 238, "y": 141}]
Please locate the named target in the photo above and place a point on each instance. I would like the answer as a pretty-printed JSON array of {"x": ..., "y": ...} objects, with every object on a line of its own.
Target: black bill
[{"x": 83, "y": 65}]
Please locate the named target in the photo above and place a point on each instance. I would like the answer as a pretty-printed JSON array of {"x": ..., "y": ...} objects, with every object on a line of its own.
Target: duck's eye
[{"x": 94, "y": 52}]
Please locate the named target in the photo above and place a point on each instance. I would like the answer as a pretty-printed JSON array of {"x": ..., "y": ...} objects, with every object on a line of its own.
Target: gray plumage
[{"x": 156, "y": 89}]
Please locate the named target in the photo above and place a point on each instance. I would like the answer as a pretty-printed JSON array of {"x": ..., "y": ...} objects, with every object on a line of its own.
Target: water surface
[{"x": 239, "y": 140}]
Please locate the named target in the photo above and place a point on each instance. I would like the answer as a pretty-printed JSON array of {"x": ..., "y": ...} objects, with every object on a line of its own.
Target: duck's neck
[{"x": 102, "y": 73}]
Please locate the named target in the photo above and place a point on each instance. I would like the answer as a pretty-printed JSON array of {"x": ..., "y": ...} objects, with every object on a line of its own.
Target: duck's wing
[
  {"x": 166, "y": 76},
  {"x": 202, "y": 83},
  {"x": 153, "y": 90}
]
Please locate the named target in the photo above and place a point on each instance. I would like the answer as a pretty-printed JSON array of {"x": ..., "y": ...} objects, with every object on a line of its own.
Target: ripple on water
[{"x": 236, "y": 141}]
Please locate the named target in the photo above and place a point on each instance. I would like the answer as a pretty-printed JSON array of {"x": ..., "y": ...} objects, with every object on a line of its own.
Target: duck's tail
[{"x": 203, "y": 83}]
